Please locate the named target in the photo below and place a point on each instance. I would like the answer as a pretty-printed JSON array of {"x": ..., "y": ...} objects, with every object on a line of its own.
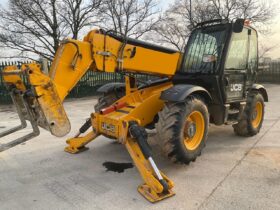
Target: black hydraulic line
[
  {"x": 141, "y": 136},
  {"x": 84, "y": 127}
]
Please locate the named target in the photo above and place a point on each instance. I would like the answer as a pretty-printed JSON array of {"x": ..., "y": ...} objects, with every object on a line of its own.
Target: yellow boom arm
[
  {"x": 41, "y": 100},
  {"x": 101, "y": 52},
  {"x": 97, "y": 52}
]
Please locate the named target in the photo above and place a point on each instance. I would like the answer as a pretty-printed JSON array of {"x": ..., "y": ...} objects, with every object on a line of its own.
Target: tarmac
[{"x": 232, "y": 172}]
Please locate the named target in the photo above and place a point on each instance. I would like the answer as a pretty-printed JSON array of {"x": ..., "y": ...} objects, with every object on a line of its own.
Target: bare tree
[
  {"x": 78, "y": 14},
  {"x": 28, "y": 20},
  {"x": 265, "y": 49},
  {"x": 225, "y": 8},
  {"x": 258, "y": 11},
  {"x": 37, "y": 26},
  {"x": 173, "y": 35},
  {"x": 174, "y": 28},
  {"x": 132, "y": 18},
  {"x": 181, "y": 15}
]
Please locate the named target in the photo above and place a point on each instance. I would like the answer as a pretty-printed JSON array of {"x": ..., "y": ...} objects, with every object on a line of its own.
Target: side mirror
[{"x": 238, "y": 25}]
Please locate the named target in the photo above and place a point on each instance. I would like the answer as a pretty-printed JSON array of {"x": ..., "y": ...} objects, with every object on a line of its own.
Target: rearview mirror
[{"x": 238, "y": 25}]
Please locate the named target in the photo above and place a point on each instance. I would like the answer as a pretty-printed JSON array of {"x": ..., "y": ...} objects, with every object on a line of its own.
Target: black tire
[
  {"x": 171, "y": 126},
  {"x": 245, "y": 127},
  {"x": 108, "y": 99}
]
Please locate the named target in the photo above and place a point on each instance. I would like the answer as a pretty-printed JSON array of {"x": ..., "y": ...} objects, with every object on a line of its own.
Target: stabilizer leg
[
  {"x": 157, "y": 186},
  {"x": 77, "y": 144}
]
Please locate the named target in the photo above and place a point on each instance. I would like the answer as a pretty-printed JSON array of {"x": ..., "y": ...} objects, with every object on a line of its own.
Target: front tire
[
  {"x": 182, "y": 129},
  {"x": 252, "y": 118}
]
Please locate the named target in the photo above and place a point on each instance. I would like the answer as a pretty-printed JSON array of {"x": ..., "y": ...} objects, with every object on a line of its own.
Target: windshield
[{"x": 204, "y": 50}]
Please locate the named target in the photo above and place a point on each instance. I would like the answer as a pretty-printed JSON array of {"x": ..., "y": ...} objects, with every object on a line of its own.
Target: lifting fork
[{"x": 24, "y": 112}]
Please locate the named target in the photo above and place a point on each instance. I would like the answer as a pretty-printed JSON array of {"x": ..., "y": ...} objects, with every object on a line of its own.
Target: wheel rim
[
  {"x": 257, "y": 115},
  {"x": 194, "y": 130}
]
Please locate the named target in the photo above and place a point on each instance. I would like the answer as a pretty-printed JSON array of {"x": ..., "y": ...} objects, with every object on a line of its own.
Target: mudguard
[
  {"x": 262, "y": 90},
  {"x": 179, "y": 93}
]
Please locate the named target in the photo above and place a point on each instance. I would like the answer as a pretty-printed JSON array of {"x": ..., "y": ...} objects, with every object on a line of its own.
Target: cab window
[
  {"x": 238, "y": 51},
  {"x": 253, "y": 52},
  {"x": 204, "y": 43}
]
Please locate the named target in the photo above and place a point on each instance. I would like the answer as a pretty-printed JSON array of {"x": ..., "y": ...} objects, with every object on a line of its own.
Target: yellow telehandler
[{"x": 213, "y": 81}]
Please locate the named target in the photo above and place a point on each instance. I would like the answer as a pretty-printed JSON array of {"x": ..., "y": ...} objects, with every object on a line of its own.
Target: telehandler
[{"x": 213, "y": 81}]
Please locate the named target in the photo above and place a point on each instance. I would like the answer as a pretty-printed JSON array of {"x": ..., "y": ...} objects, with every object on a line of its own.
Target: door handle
[{"x": 226, "y": 81}]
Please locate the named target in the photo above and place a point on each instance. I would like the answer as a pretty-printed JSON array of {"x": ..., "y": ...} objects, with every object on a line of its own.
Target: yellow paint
[
  {"x": 52, "y": 114},
  {"x": 152, "y": 190},
  {"x": 76, "y": 144},
  {"x": 192, "y": 143},
  {"x": 145, "y": 60},
  {"x": 146, "y": 104},
  {"x": 13, "y": 79},
  {"x": 74, "y": 58},
  {"x": 68, "y": 67},
  {"x": 143, "y": 106},
  {"x": 258, "y": 115},
  {"x": 99, "y": 53}
]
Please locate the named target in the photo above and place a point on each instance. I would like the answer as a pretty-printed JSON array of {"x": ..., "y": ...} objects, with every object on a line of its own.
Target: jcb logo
[
  {"x": 236, "y": 87},
  {"x": 108, "y": 127}
]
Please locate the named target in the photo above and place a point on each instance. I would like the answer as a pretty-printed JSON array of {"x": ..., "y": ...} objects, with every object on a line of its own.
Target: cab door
[{"x": 236, "y": 66}]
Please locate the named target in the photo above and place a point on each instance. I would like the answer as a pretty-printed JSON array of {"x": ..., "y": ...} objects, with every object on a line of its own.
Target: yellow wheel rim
[
  {"x": 257, "y": 115},
  {"x": 194, "y": 130}
]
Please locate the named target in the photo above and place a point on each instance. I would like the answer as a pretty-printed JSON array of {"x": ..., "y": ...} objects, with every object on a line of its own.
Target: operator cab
[{"x": 222, "y": 57}]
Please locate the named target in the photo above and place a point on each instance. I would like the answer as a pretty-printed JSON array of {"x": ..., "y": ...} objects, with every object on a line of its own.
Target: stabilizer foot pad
[
  {"x": 151, "y": 195},
  {"x": 72, "y": 150}
]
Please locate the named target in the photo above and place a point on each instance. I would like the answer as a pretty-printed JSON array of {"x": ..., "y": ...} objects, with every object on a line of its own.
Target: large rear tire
[
  {"x": 252, "y": 118},
  {"x": 182, "y": 129}
]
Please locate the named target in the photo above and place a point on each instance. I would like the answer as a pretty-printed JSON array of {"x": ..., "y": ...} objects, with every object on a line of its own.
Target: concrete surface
[{"x": 232, "y": 173}]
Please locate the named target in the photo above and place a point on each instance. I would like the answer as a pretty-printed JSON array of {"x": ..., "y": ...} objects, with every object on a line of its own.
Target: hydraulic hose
[{"x": 141, "y": 136}]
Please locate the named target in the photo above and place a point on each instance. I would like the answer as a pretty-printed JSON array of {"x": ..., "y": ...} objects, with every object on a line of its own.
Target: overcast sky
[{"x": 273, "y": 39}]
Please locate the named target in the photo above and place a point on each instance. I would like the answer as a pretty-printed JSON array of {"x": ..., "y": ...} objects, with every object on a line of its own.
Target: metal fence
[
  {"x": 91, "y": 81},
  {"x": 87, "y": 86},
  {"x": 4, "y": 95},
  {"x": 270, "y": 73}
]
